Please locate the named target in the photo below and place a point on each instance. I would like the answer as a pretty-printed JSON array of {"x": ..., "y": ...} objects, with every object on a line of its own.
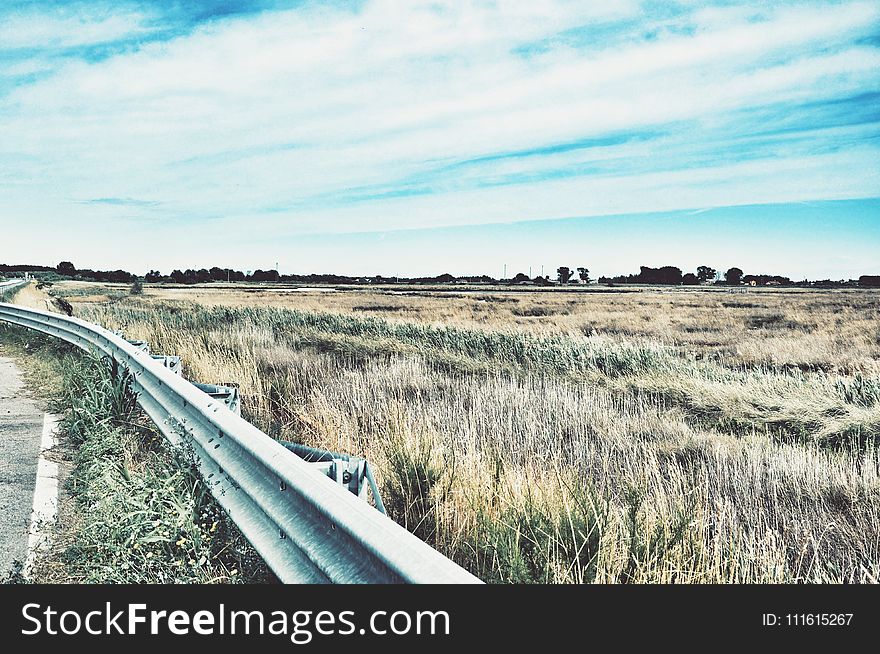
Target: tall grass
[
  {"x": 142, "y": 514},
  {"x": 786, "y": 404},
  {"x": 829, "y": 330},
  {"x": 560, "y": 458}
]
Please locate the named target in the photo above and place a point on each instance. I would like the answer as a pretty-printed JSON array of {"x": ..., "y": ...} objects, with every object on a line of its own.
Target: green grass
[
  {"x": 144, "y": 514},
  {"x": 7, "y": 294},
  {"x": 343, "y": 334},
  {"x": 135, "y": 510}
]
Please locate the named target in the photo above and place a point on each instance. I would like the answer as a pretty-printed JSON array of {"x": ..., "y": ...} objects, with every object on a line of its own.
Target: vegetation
[
  {"x": 719, "y": 439},
  {"x": 136, "y": 511},
  {"x": 7, "y": 294},
  {"x": 665, "y": 275},
  {"x": 733, "y": 276}
]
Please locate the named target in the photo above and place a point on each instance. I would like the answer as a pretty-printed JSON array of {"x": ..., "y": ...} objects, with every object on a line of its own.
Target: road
[{"x": 21, "y": 431}]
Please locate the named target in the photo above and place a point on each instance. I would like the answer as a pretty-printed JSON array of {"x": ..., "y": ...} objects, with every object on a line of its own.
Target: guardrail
[
  {"x": 307, "y": 528},
  {"x": 10, "y": 284}
]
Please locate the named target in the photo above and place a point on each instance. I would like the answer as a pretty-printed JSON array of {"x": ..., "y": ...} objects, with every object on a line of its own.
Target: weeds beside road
[{"x": 134, "y": 510}]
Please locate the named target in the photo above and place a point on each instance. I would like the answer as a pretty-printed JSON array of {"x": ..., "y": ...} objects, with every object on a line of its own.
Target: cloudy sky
[{"x": 416, "y": 138}]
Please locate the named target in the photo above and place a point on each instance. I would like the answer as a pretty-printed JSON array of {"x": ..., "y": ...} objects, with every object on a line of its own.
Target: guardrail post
[
  {"x": 226, "y": 393},
  {"x": 353, "y": 472},
  {"x": 173, "y": 363}
]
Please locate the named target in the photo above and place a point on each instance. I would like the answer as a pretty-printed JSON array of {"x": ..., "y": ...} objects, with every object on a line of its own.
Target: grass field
[{"x": 677, "y": 435}]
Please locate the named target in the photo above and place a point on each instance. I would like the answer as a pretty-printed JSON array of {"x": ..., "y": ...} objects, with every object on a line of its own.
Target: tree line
[
  {"x": 67, "y": 269},
  {"x": 664, "y": 275}
]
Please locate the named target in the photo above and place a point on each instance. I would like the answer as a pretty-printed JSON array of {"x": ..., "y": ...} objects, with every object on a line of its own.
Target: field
[{"x": 652, "y": 435}]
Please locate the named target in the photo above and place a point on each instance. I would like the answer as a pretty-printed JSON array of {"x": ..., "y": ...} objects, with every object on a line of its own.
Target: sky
[{"x": 462, "y": 136}]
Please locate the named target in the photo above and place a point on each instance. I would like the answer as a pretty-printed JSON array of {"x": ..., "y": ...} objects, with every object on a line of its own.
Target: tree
[
  {"x": 563, "y": 274},
  {"x": 265, "y": 276},
  {"x": 733, "y": 276},
  {"x": 66, "y": 268},
  {"x": 690, "y": 279},
  {"x": 663, "y": 275},
  {"x": 584, "y": 274},
  {"x": 520, "y": 278},
  {"x": 137, "y": 287},
  {"x": 542, "y": 281},
  {"x": 706, "y": 273}
]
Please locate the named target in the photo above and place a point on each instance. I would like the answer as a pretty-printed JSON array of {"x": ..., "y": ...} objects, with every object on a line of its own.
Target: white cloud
[
  {"x": 299, "y": 107},
  {"x": 772, "y": 181},
  {"x": 63, "y": 29}
]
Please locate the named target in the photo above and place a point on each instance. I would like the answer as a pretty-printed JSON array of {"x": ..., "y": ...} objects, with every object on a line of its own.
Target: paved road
[{"x": 21, "y": 427}]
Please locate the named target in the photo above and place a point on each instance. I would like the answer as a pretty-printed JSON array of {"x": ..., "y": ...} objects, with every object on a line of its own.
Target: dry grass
[
  {"x": 831, "y": 330},
  {"x": 558, "y": 437}
]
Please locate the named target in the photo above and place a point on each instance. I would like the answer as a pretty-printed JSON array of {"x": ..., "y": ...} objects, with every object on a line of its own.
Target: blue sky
[{"x": 416, "y": 138}]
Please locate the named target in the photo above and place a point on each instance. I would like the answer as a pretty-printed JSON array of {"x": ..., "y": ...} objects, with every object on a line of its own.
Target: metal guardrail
[
  {"x": 307, "y": 528},
  {"x": 10, "y": 284},
  {"x": 351, "y": 471}
]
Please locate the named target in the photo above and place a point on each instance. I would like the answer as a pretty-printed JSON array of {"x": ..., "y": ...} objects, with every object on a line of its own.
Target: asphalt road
[{"x": 21, "y": 427}]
